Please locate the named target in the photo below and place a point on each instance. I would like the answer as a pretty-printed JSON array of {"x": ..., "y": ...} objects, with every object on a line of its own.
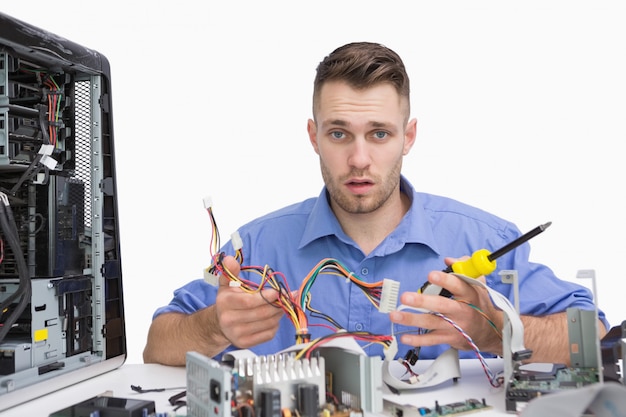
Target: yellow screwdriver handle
[{"x": 478, "y": 264}]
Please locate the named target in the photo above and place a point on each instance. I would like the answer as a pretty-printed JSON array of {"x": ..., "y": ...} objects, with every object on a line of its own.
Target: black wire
[
  {"x": 217, "y": 231},
  {"x": 137, "y": 388},
  {"x": 318, "y": 314},
  {"x": 176, "y": 399},
  {"x": 24, "y": 290},
  {"x": 43, "y": 124}
]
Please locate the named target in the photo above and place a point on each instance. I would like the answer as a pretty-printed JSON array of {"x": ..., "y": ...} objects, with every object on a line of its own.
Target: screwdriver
[{"x": 482, "y": 262}]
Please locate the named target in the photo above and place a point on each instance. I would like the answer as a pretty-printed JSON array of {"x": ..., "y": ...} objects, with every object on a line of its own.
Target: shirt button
[
  {"x": 364, "y": 271},
  {"x": 359, "y": 327}
]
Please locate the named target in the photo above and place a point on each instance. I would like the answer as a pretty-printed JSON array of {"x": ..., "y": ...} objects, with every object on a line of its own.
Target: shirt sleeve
[
  {"x": 190, "y": 298},
  {"x": 541, "y": 292}
]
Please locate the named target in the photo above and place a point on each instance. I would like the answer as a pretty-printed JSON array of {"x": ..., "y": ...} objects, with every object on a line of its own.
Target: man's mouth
[{"x": 359, "y": 186}]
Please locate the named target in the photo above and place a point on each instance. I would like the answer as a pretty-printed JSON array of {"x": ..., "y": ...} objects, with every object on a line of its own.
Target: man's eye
[
  {"x": 380, "y": 135},
  {"x": 337, "y": 135}
]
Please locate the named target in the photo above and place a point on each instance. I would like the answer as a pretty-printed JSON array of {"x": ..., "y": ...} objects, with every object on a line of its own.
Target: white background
[{"x": 521, "y": 110}]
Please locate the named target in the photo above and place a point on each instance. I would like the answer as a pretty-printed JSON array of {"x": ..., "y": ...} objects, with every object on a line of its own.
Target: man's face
[{"x": 361, "y": 137}]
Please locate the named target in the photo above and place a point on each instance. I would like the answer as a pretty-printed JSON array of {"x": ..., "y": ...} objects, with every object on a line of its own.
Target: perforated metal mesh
[{"x": 83, "y": 124}]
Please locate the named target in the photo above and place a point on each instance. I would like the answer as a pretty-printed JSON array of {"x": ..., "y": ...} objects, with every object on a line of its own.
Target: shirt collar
[{"x": 415, "y": 227}]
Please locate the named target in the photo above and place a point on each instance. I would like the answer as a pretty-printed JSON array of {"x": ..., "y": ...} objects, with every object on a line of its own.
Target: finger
[
  {"x": 428, "y": 303},
  {"x": 251, "y": 334},
  {"x": 252, "y": 307},
  {"x": 416, "y": 320},
  {"x": 450, "y": 282},
  {"x": 431, "y": 338},
  {"x": 231, "y": 265}
]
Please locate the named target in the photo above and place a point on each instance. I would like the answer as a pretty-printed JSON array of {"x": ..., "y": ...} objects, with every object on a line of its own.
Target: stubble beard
[{"x": 361, "y": 204}]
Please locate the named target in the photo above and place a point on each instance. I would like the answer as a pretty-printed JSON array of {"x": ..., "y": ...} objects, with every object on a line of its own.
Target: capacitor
[
  {"x": 269, "y": 403},
  {"x": 308, "y": 400}
]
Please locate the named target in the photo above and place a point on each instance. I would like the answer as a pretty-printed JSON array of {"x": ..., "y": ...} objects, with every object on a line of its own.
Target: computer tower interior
[{"x": 60, "y": 269}]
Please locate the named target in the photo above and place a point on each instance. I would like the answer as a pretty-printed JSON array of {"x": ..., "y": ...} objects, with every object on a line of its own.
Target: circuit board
[
  {"x": 437, "y": 410},
  {"x": 526, "y": 385}
]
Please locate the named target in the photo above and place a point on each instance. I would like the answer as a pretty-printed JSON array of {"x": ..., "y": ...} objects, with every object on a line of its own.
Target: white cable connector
[
  {"x": 46, "y": 150},
  {"x": 48, "y": 162},
  {"x": 235, "y": 239},
  {"x": 211, "y": 278},
  {"x": 390, "y": 352},
  {"x": 208, "y": 202},
  {"x": 389, "y": 296}
]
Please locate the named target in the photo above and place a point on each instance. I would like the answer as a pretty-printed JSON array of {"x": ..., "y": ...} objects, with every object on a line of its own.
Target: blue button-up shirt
[{"x": 294, "y": 239}]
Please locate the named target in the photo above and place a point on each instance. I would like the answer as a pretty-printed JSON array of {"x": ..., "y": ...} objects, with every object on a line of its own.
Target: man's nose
[{"x": 360, "y": 156}]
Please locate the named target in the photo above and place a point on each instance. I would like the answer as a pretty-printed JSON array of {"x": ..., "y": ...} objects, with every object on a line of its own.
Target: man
[{"x": 369, "y": 217}]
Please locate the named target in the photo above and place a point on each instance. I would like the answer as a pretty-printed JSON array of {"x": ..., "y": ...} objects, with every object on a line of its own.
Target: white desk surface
[{"x": 472, "y": 384}]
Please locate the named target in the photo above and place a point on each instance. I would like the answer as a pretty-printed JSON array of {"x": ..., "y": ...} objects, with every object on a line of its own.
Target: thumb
[{"x": 231, "y": 265}]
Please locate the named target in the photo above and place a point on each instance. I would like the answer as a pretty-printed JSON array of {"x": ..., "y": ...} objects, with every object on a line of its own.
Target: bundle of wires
[
  {"x": 49, "y": 116},
  {"x": 268, "y": 278},
  {"x": 412, "y": 356},
  {"x": 385, "y": 340},
  {"x": 50, "y": 122},
  {"x": 295, "y": 307},
  {"x": 54, "y": 110},
  {"x": 494, "y": 379},
  {"x": 275, "y": 280},
  {"x": 10, "y": 310},
  {"x": 330, "y": 266}
]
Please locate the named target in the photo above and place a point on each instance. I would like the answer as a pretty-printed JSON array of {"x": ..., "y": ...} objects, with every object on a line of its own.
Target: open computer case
[{"x": 62, "y": 314}]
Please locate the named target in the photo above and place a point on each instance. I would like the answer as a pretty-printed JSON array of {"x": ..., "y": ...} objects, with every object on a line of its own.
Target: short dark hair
[{"x": 362, "y": 65}]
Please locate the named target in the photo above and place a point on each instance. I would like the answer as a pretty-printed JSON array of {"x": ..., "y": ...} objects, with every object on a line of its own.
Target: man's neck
[{"x": 368, "y": 230}]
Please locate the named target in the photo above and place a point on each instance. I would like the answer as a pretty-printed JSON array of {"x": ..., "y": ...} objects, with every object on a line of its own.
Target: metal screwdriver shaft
[{"x": 519, "y": 241}]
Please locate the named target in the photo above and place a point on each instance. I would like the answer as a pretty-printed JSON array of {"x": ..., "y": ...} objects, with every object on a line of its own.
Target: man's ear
[
  {"x": 409, "y": 136},
  {"x": 312, "y": 130}
]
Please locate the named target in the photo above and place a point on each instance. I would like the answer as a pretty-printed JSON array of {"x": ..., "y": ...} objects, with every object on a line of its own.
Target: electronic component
[
  {"x": 103, "y": 406},
  {"x": 269, "y": 402},
  {"x": 389, "y": 296},
  {"x": 216, "y": 389},
  {"x": 307, "y": 396},
  {"x": 583, "y": 349},
  {"x": 613, "y": 348},
  {"x": 356, "y": 378},
  {"x": 209, "y": 387},
  {"x": 532, "y": 380},
  {"x": 451, "y": 409},
  {"x": 283, "y": 384},
  {"x": 61, "y": 300},
  {"x": 527, "y": 385},
  {"x": 286, "y": 374}
]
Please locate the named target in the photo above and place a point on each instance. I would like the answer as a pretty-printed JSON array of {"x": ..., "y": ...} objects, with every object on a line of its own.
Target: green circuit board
[
  {"x": 437, "y": 410},
  {"x": 525, "y": 386}
]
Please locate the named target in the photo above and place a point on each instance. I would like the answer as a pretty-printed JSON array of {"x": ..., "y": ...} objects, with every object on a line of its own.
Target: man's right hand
[
  {"x": 237, "y": 318},
  {"x": 245, "y": 319}
]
